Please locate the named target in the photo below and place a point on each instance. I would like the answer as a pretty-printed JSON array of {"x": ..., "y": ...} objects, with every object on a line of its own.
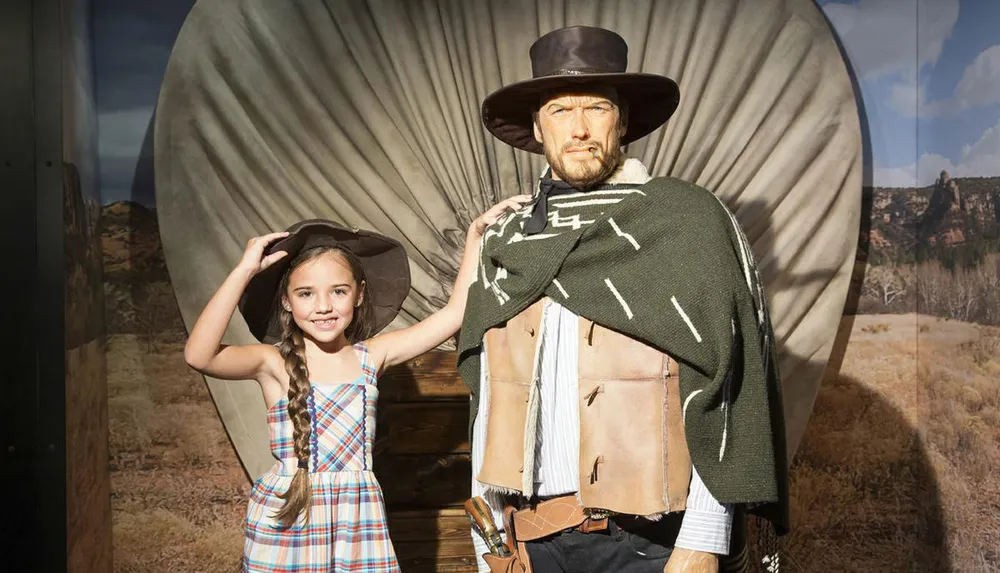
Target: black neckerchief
[{"x": 547, "y": 187}]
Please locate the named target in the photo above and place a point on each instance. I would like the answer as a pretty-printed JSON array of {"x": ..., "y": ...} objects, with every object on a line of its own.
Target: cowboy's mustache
[{"x": 587, "y": 146}]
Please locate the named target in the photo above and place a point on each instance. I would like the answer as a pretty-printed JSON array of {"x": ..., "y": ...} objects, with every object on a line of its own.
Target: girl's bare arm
[
  {"x": 204, "y": 350},
  {"x": 398, "y": 346}
]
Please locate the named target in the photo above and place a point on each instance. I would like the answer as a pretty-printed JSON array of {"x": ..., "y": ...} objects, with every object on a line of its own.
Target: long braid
[{"x": 293, "y": 351}]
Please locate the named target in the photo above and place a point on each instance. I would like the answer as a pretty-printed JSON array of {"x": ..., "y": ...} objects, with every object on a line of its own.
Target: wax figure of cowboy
[{"x": 625, "y": 394}]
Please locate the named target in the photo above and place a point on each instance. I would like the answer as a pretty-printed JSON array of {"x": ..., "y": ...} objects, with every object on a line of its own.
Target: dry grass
[
  {"x": 178, "y": 491},
  {"x": 876, "y": 328},
  {"x": 897, "y": 471}
]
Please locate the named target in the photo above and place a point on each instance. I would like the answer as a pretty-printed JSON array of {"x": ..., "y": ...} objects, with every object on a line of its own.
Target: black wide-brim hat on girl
[
  {"x": 383, "y": 258},
  {"x": 570, "y": 58}
]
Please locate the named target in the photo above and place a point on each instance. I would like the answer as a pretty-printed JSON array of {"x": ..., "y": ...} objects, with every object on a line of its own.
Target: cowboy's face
[
  {"x": 572, "y": 127},
  {"x": 322, "y": 295}
]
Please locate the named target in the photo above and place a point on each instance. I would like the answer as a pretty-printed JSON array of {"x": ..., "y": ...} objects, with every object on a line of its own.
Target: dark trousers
[{"x": 626, "y": 548}]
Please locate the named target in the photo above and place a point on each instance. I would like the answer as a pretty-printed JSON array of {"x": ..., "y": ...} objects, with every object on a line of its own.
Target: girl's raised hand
[
  {"x": 398, "y": 346},
  {"x": 478, "y": 227},
  {"x": 253, "y": 259}
]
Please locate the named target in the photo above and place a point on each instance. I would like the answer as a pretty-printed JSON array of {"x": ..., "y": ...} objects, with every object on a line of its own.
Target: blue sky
[
  {"x": 930, "y": 78},
  {"x": 929, "y": 72}
]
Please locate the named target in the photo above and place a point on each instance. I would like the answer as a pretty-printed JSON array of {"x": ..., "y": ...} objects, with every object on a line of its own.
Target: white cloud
[
  {"x": 980, "y": 83},
  {"x": 894, "y": 177},
  {"x": 906, "y": 99},
  {"x": 936, "y": 20},
  {"x": 981, "y": 159},
  {"x": 882, "y": 36},
  {"x": 979, "y": 86},
  {"x": 983, "y": 156},
  {"x": 920, "y": 174}
]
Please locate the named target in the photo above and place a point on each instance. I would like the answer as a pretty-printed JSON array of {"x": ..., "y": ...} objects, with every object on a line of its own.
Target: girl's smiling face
[{"x": 322, "y": 296}]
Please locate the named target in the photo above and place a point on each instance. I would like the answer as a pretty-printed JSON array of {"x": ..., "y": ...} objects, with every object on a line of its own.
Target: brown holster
[{"x": 535, "y": 522}]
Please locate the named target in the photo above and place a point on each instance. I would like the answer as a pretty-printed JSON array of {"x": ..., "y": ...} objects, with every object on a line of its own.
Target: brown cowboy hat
[
  {"x": 569, "y": 58},
  {"x": 384, "y": 260}
]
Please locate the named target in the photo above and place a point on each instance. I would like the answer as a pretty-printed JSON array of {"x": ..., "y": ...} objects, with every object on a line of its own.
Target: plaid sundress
[{"x": 347, "y": 528}]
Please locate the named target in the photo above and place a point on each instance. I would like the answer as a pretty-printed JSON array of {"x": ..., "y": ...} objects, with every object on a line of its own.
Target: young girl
[{"x": 321, "y": 291}]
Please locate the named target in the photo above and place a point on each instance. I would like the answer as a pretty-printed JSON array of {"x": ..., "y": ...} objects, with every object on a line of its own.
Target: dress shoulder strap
[{"x": 366, "y": 365}]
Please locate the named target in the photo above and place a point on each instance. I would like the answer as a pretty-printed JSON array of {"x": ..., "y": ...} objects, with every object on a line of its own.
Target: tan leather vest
[{"x": 633, "y": 454}]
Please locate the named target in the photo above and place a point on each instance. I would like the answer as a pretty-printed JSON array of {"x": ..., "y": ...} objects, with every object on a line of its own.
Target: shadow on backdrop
[{"x": 863, "y": 493}]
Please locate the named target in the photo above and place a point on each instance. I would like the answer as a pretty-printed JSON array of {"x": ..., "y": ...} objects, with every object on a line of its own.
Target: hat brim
[
  {"x": 507, "y": 112},
  {"x": 384, "y": 260}
]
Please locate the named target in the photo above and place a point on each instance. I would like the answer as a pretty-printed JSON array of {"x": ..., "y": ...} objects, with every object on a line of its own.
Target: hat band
[
  {"x": 321, "y": 241},
  {"x": 578, "y": 72}
]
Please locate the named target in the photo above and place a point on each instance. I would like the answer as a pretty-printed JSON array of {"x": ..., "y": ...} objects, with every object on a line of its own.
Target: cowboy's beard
[{"x": 590, "y": 171}]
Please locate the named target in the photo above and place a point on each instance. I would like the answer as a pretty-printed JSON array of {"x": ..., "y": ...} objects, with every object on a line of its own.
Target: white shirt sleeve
[{"x": 707, "y": 524}]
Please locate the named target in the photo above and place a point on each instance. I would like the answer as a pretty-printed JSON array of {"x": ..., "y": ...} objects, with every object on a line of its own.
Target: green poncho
[{"x": 665, "y": 263}]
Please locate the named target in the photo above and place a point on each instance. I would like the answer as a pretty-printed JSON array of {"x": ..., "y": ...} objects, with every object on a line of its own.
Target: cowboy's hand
[
  {"x": 478, "y": 227},
  {"x": 691, "y": 561},
  {"x": 253, "y": 259}
]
